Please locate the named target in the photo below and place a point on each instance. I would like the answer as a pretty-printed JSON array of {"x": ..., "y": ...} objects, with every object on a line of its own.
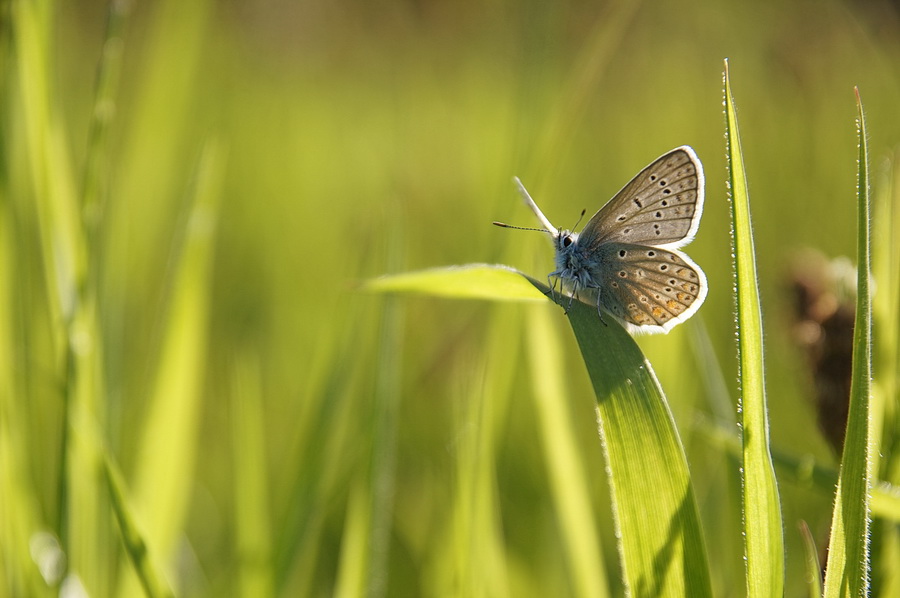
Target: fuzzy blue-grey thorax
[{"x": 571, "y": 265}]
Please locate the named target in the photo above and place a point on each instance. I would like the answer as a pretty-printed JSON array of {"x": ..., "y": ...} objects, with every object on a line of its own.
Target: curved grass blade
[
  {"x": 660, "y": 540},
  {"x": 764, "y": 541},
  {"x": 847, "y": 568}
]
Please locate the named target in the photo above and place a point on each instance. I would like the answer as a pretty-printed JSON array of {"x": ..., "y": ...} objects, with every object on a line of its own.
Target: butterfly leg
[
  {"x": 572, "y": 296},
  {"x": 600, "y": 312},
  {"x": 551, "y": 282}
]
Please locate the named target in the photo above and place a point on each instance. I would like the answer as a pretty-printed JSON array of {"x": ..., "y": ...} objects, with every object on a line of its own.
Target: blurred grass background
[{"x": 282, "y": 434}]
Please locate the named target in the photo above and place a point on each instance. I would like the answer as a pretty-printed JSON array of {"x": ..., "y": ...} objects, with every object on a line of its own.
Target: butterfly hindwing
[{"x": 647, "y": 287}]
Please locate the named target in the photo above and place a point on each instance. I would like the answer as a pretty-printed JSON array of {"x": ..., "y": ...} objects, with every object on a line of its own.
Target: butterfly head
[
  {"x": 565, "y": 242},
  {"x": 568, "y": 255},
  {"x": 565, "y": 239}
]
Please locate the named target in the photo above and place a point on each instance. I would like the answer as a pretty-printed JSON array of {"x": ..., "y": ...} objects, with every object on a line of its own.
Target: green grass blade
[
  {"x": 96, "y": 167},
  {"x": 567, "y": 470},
  {"x": 20, "y": 517},
  {"x": 366, "y": 542},
  {"x": 354, "y": 560},
  {"x": 164, "y": 474},
  {"x": 253, "y": 537},
  {"x": 847, "y": 568},
  {"x": 28, "y": 567},
  {"x": 382, "y": 468},
  {"x": 476, "y": 556},
  {"x": 152, "y": 582},
  {"x": 885, "y": 497},
  {"x": 80, "y": 520},
  {"x": 885, "y": 357},
  {"x": 763, "y": 533},
  {"x": 472, "y": 281},
  {"x": 813, "y": 568},
  {"x": 50, "y": 167},
  {"x": 660, "y": 540}
]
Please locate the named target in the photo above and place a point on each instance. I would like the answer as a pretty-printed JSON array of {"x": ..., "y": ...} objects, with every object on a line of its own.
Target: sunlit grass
[
  {"x": 280, "y": 432},
  {"x": 847, "y": 569},
  {"x": 761, "y": 504}
]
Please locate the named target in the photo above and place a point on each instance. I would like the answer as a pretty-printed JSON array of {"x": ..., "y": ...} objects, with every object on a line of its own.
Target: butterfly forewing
[
  {"x": 661, "y": 206},
  {"x": 648, "y": 286}
]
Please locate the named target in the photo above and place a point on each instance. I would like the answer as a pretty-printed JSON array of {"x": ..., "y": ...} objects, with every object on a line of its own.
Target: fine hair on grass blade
[
  {"x": 847, "y": 567},
  {"x": 764, "y": 540}
]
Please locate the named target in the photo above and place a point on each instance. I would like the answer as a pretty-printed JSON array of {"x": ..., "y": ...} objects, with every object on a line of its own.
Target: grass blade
[
  {"x": 847, "y": 568},
  {"x": 813, "y": 568},
  {"x": 80, "y": 522},
  {"x": 885, "y": 359},
  {"x": 661, "y": 543},
  {"x": 164, "y": 474},
  {"x": 472, "y": 281},
  {"x": 763, "y": 534},
  {"x": 251, "y": 479},
  {"x": 567, "y": 470},
  {"x": 885, "y": 497},
  {"x": 660, "y": 540},
  {"x": 366, "y": 542},
  {"x": 21, "y": 566},
  {"x": 476, "y": 556},
  {"x": 152, "y": 582}
]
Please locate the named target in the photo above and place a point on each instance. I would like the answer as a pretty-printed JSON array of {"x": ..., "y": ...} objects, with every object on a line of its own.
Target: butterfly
[{"x": 626, "y": 259}]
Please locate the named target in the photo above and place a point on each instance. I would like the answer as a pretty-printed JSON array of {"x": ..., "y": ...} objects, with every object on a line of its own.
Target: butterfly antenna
[
  {"x": 504, "y": 225},
  {"x": 577, "y": 222}
]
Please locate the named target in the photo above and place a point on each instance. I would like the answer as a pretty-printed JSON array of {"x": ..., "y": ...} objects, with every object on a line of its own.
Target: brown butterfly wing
[{"x": 661, "y": 206}]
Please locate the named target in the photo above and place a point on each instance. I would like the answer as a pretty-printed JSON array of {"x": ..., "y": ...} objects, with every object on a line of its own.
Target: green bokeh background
[{"x": 367, "y": 138}]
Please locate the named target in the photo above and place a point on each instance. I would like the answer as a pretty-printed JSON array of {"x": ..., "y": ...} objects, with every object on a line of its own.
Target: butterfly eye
[{"x": 567, "y": 240}]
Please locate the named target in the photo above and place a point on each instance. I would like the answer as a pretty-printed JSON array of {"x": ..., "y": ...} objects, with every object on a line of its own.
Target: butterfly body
[
  {"x": 626, "y": 259},
  {"x": 571, "y": 262}
]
